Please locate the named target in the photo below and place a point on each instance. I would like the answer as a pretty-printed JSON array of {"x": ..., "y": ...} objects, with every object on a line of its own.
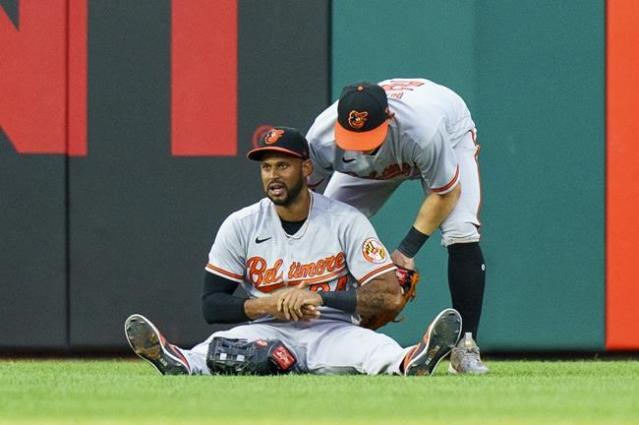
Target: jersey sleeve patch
[{"x": 374, "y": 252}]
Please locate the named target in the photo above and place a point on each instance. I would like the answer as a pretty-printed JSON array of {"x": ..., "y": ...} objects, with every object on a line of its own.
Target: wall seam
[{"x": 67, "y": 211}]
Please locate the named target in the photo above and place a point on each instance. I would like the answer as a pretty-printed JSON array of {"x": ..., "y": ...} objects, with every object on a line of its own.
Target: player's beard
[{"x": 291, "y": 193}]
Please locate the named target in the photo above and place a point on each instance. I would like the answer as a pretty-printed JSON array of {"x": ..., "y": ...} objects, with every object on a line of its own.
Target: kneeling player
[{"x": 313, "y": 268}]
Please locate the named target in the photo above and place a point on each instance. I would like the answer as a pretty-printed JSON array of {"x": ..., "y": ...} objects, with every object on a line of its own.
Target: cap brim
[
  {"x": 360, "y": 141},
  {"x": 257, "y": 153}
]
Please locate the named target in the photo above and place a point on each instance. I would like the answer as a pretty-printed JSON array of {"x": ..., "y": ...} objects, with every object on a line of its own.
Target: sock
[{"x": 466, "y": 281}]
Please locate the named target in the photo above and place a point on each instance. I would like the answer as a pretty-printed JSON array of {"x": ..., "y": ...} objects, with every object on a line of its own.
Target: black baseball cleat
[
  {"x": 440, "y": 337},
  {"x": 148, "y": 343}
]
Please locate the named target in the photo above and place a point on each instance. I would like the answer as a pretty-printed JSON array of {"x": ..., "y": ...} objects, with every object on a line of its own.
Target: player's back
[{"x": 422, "y": 105}]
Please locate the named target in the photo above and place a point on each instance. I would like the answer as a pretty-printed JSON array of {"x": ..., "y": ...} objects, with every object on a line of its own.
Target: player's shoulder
[
  {"x": 328, "y": 115},
  {"x": 249, "y": 213},
  {"x": 321, "y": 131},
  {"x": 333, "y": 208}
]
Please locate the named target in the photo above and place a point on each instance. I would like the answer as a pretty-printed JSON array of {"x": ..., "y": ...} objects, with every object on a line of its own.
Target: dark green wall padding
[{"x": 532, "y": 73}]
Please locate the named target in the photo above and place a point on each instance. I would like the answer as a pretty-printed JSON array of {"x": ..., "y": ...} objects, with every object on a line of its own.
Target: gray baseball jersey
[
  {"x": 430, "y": 120},
  {"x": 336, "y": 249}
]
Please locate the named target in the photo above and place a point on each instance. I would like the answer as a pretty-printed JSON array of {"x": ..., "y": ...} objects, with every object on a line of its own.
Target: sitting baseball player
[{"x": 313, "y": 269}]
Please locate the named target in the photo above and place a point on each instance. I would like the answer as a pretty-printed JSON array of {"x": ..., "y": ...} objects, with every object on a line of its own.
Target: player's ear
[{"x": 307, "y": 167}]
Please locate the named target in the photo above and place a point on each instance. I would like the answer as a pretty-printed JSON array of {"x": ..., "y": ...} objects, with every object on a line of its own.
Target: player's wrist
[
  {"x": 412, "y": 242},
  {"x": 317, "y": 299},
  {"x": 254, "y": 308},
  {"x": 342, "y": 300}
]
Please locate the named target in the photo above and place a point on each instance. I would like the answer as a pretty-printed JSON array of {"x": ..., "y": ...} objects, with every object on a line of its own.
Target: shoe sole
[
  {"x": 440, "y": 338},
  {"x": 146, "y": 341}
]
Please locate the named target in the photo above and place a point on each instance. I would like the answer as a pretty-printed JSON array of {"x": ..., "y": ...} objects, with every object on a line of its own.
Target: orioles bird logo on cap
[
  {"x": 273, "y": 136},
  {"x": 357, "y": 119}
]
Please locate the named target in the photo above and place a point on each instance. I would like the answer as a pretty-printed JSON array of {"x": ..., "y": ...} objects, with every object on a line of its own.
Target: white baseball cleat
[
  {"x": 440, "y": 337},
  {"x": 148, "y": 343},
  {"x": 465, "y": 358}
]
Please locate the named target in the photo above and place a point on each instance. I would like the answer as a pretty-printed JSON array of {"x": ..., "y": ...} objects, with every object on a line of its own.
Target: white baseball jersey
[
  {"x": 336, "y": 249},
  {"x": 430, "y": 120}
]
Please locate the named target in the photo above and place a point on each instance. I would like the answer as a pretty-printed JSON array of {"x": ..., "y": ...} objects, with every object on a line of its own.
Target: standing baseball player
[
  {"x": 379, "y": 135},
  {"x": 312, "y": 267}
]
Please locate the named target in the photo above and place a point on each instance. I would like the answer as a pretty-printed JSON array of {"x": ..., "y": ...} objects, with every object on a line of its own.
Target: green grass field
[{"x": 130, "y": 392}]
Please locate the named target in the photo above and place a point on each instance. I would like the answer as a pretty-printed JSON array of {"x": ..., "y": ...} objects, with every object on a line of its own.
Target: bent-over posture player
[
  {"x": 379, "y": 135},
  {"x": 313, "y": 267}
]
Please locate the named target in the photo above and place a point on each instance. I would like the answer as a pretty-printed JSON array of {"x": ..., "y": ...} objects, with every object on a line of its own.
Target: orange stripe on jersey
[
  {"x": 223, "y": 272},
  {"x": 376, "y": 272},
  {"x": 449, "y": 184},
  {"x": 319, "y": 279},
  {"x": 478, "y": 149}
]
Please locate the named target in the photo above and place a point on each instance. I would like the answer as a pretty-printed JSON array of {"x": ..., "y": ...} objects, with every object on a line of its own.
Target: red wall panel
[
  {"x": 622, "y": 179},
  {"x": 33, "y": 82},
  {"x": 44, "y": 77},
  {"x": 204, "y": 78}
]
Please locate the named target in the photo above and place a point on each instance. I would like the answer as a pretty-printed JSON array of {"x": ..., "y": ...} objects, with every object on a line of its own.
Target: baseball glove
[{"x": 408, "y": 280}]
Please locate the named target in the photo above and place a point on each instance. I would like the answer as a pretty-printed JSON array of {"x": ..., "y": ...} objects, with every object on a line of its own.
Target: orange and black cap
[
  {"x": 362, "y": 113},
  {"x": 284, "y": 140}
]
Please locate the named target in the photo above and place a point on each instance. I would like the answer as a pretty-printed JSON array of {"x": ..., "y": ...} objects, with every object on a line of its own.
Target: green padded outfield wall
[{"x": 532, "y": 73}]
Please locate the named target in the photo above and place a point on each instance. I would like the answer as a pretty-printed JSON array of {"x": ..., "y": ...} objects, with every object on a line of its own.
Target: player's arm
[
  {"x": 300, "y": 305},
  {"x": 435, "y": 208},
  {"x": 433, "y": 211},
  {"x": 380, "y": 296},
  {"x": 218, "y": 303},
  {"x": 322, "y": 171},
  {"x": 439, "y": 167},
  {"x": 220, "y": 306},
  {"x": 379, "y": 292},
  {"x": 321, "y": 149}
]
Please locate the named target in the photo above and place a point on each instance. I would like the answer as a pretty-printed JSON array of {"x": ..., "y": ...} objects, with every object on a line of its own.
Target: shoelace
[{"x": 472, "y": 356}]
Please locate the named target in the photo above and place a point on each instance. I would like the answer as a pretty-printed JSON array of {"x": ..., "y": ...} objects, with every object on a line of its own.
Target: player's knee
[{"x": 464, "y": 232}]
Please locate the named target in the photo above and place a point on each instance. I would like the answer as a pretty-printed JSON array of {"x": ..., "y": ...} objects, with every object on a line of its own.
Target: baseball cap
[
  {"x": 281, "y": 139},
  {"x": 362, "y": 111}
]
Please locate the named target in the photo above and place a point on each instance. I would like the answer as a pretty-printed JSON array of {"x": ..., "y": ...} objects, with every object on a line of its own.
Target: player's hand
[
  {"x": 291, "y": 301},
  {"x": 402, "y": 260},
  {"x": 310, "y": 312}
]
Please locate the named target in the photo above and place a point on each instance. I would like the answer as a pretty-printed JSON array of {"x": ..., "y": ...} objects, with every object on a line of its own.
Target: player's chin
[{"x": 279, "y": 199}]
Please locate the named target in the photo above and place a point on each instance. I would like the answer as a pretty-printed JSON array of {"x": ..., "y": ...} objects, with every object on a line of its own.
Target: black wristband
[
  {"x": 412, "y": 242},
  {"x": 342, "y": 300}
]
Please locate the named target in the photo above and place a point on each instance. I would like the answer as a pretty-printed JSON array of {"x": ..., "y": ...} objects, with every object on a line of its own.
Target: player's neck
[{"x": 296, "y": 210}]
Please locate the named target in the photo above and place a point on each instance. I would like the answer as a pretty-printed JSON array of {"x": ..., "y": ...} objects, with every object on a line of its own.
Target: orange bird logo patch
[
  {"x": 357, "y": 119},
  {"x": 273, "y": 136},
  {"x": 374, "y": 251}
]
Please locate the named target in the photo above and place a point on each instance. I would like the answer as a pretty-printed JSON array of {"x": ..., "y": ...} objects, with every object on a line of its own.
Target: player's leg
[
  {"x": 338, "y": 347},
  {"x": 335, "y": 347},
  {"x": 366, "y": 195},
  {"x": 148, "y": 343},
  {"x": 466, "y": 267},
  {"x": 439, "y": 339},
  {"x": 197, "y": 356}
]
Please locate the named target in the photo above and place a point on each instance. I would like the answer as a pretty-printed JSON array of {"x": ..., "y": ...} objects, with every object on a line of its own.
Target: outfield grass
[{"x": 124, "y": 391}]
